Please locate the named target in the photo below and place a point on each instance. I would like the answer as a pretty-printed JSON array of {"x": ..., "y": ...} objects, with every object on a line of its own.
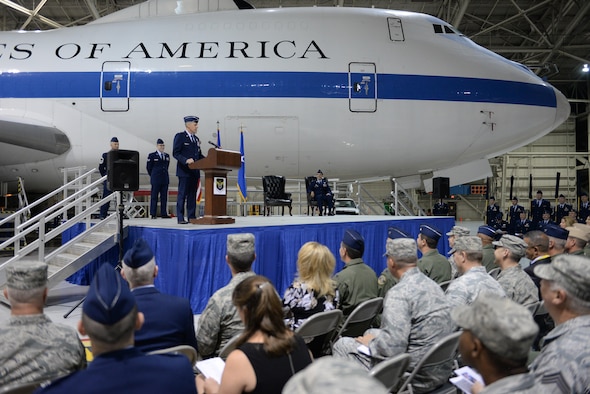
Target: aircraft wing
[{"x": 25, "y": 141}]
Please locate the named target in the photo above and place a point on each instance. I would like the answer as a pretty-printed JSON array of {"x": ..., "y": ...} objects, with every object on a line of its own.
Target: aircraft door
[
  {"x": 362, "y": 87},
  {"x": 114, "y": 86}
]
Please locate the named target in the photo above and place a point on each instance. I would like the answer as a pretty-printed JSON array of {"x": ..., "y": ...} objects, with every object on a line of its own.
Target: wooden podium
[{"x": 216, "y": 166}]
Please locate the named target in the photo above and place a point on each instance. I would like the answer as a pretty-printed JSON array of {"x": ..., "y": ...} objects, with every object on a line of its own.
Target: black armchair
[{"x": 274, "y": 194}]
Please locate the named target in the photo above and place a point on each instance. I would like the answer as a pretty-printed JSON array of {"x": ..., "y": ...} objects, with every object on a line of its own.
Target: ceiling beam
[{"x": 26, "y": 11}]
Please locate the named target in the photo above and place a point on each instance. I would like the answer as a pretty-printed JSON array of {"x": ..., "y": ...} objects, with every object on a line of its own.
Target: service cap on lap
[{"x": 506, "y": 328}]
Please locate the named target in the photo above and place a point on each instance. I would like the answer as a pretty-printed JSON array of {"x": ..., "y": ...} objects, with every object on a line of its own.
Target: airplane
[{"x": 356, "y": 92}]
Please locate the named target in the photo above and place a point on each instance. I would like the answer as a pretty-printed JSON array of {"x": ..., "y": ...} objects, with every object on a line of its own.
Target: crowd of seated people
[{"x": 499, "y": 329}]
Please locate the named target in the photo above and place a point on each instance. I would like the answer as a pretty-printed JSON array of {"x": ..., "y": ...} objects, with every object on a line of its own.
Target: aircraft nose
[{"x": 563, "y": 108}]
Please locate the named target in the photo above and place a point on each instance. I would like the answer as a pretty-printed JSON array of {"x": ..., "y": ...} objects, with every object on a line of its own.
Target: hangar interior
[{"x": 551, "y": 37}]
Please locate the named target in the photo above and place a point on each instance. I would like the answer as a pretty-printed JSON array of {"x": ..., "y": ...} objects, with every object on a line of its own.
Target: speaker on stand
[{"x": 441, "y": 188}]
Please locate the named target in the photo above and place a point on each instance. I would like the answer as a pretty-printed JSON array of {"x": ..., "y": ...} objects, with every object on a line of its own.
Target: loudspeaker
[
  {"x": 441, "y": 188},
  {"x": 123, "y": 170}
]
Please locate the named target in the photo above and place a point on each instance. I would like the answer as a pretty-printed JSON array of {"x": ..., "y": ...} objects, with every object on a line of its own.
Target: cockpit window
[
  {"x": 445, "y": 29},
  {"x": 437, "y": 28},
  {"x": 448, "y": 30}
]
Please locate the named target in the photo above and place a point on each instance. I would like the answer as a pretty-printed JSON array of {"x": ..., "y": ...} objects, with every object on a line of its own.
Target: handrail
[{"x": 395, "y": 193}]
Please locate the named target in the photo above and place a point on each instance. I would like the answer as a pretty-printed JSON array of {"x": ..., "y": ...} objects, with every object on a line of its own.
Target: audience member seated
[
  {"x": 357, "y": 281},
  {"x": 267, "y": 352},
  {"x": 220, "y": 320},
  {"x": 416, "y": 315},
  {"x": 557, "y": 239},
  {"x": 456, "y": 232},
  {"x": 517, "y": 285},
  {"x": 496, "y": 340},
  {"x": 537, "y": 252},
  {"x": 321, "y": 192},
  {"x": 332, "y": 375},
  {"x": 386, "y": 281},
  {"x": 432, "y": 264},
  {"x": 474, "y": 279},
  {"x": 487, "y": 235},
  {"x": 577, "y": 239},
  {"x": 313, "y": 290},
  {"x": 564, "y": 361},
  {"x": 109, "y": 318},
  {"x": 33, "y": 348},
  {"x": 168, "y": 319}
]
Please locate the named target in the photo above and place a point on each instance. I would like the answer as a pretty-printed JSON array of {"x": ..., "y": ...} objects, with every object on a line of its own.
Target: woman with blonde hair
[
  {"x": 313, "y": 290},
  {"x": 267, "y": 353},
  {"x": 567, "y": 221}
]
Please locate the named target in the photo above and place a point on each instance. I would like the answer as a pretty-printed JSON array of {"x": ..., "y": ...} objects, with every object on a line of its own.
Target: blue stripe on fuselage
[{"x": 225, "y": 84}]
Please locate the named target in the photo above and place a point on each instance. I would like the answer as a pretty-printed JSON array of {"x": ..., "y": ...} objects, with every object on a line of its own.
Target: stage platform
[{"x": 191, "y": 258}]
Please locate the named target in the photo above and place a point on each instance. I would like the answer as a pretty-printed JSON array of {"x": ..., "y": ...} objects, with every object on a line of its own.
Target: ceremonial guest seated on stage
[
  {"x": 109, "y": 318},
  {"x": 564, "y": 360},
  {"x": 496, "y": 340},
  {"x": 32, "y": 347},
  {"x": 267, "y": 353},
  {"x": 474, "y": 279},
  {"x": 416, "y": 315},
  {"x": 313, "y": 290},
  {"x": 220, "y": 320},
  {"x": 168, "y": 319}
]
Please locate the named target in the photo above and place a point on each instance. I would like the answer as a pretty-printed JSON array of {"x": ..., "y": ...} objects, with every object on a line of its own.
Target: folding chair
[
  {"x": 494, "y": 273},
  {"x": 229, "y": 347},
  {"x": 445, "y": 284},
  {"x": 318, "y": 329},
  {"x": 360, "y": 319},
  {"x": 185, "y": 350},
  {"x": 442, "y": 352},
  {"x": 22, "y": 388},
  {"x": 390, "y": 371},
  {"x": 533, "y": 307}
]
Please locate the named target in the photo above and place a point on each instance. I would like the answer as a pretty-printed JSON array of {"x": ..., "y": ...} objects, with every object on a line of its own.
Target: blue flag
[
  {"x": 242, "y": 172},
  {"x": 219, "y": 137}
]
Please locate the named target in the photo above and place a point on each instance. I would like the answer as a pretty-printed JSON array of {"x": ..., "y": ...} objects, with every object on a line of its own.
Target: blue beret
[
  {"x": 159, "y": 141},
  {"x": 555, "y": 231},
  {"x": 395, "y": 233},
  {"x": 354, "y": 240},
  {"x": 114, "y": 139},
  {"x": 109, "y": 298},
  {"x": 191, "y": 119},
  {"x": 487, "y": 230},
  {"x": 430, "y": 232},
  {"x": 140, "y": 254}
]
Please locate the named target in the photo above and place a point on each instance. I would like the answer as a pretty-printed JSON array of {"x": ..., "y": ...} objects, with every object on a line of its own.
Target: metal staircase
[{"x": 97, "y": 238}]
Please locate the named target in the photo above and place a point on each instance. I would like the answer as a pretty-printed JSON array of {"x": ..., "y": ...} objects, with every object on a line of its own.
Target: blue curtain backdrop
[{"x": 192, "y": 262}]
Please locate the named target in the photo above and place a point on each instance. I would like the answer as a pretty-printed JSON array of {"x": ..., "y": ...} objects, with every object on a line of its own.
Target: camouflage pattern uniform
[
  {"x": 333, "y": 375},
  {"x": 564, "y": 360},
  {"x": 220, "y": 320},
  {"x": 464, "y": 289},
  {"x": 356, "y": 283},
  {"x": 34, "y": 348},
  {"x": 518, "y": 286},
  {"x": 522, "y": 383},
  {"x": 488, "y": 260},
  {"x": 435, "y": 266},
  {"x": 415, "y": 316}
]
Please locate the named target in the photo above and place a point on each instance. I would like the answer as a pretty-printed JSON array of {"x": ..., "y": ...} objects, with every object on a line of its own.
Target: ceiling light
[{"x": 585, "y": 68}]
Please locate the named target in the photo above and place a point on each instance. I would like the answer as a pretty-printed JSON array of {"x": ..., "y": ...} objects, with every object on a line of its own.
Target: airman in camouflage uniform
[
  {"x": 577, "y": 239},
  {"x": 516, "y": 283},
  {"x": 386, "y": 281},
  {"x": 357, "y": 281},
  {"x": 506, "y": 331},
  {"x": 432, "y": 264},
  {"x": 474, "y": 279},
  {"x": 220, "y": 320},
  {"x": 415, "y": 316},
  {"x": 564, "y": 361},
  {"x": 33, "y": 348},
  {"x": 456, "y": 232},
  {"x": 333, "y": 375}
]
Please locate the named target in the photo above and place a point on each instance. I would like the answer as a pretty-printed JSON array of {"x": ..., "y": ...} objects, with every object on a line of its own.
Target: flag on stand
[
  {"x": 199, "y": 194},
  {"x": 242, "y": 171},
  {"x": 218, "y": 135}
]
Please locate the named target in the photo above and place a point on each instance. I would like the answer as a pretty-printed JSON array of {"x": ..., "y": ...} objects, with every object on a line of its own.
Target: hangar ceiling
[{"x": 552, "y": 37}]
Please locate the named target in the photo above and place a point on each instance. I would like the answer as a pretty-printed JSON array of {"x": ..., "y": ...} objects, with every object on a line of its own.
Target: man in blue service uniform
[
  {"x": 514, "y": 215},
  {"x": 168, "y": 319},
  {"x": 538, "y": 206},
  {"x": 321, "y": 192},
  {"x": 187, "y": 150},
  {"x": 493, "y": 215},
  {"x": 109, "y": 318},
  {"x": 562, "y": 209},
  {"x": 441, "y": 208},
  {"x": 157, "y": 167},
  {"x": 102, "y": 167},
  {"x": 584, "y": 210}
]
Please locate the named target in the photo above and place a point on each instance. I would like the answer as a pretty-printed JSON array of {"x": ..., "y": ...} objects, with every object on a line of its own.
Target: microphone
[{"x": 214, "y": 144}]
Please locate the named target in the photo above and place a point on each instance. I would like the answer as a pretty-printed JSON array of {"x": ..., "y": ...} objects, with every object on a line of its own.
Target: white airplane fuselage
[{"x": 354, "y": 92}]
